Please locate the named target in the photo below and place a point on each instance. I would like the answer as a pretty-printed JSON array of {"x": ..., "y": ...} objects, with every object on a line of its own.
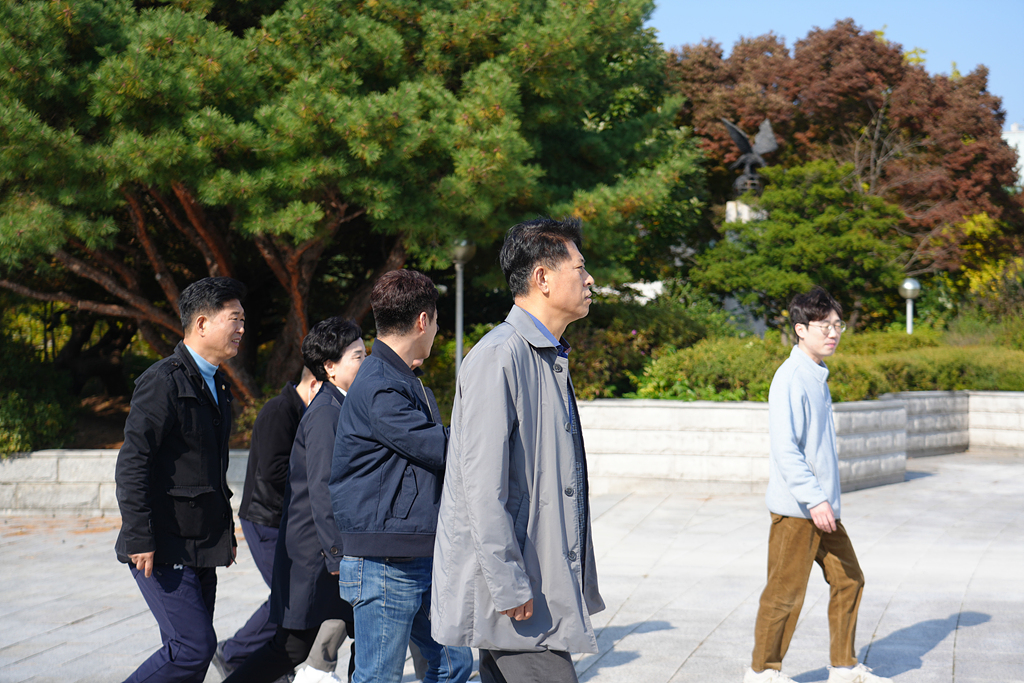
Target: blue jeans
[{"x": 391, "y": 603}]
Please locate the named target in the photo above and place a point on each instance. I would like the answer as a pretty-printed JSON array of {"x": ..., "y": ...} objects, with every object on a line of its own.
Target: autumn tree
[
  {"x": 308, "y": 147},
  {"x": 930, "y": 144}
]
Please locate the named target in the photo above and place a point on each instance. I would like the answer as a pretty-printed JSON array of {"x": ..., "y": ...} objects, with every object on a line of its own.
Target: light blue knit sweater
[{"x": 803, "y": 467}]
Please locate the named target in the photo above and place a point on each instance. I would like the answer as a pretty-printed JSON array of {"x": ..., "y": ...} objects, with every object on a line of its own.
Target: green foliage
[
  {"x": 820, "y": 230},
  {"x": 715, "y": 370},
  {"x": 618, "y": 338},
  {"x": 893, "y": 340},
  {"x": 194, "y": 137},
  {"x": 870, "y": 365},
  {"x": 36, "y": 406},
  {"x": 981, "y": 368}
]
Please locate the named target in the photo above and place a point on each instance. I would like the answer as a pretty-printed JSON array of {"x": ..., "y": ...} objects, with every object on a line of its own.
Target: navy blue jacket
[
  {"x": 388, "y": 466},
  {"x": 303, "y": 592}
]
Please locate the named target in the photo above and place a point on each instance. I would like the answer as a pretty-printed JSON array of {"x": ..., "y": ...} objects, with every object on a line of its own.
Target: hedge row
[{"x": 742, "y": 370}]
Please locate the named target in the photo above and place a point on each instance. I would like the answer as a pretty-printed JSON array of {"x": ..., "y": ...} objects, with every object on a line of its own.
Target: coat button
[
  {"x": 569, "y": 491},
  {"x": 572, "y": 555},
  {"x": 568, "y": 426},
  {"x": 191, "y": 503},
  {"x": 558, "y": 368},
  {"x": 334, "y": 551},
  {"x": 216, "y": 422}
]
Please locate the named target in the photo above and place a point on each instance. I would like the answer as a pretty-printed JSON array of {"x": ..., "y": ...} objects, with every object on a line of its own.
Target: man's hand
[
  {"x": 234, "y": 555},
  {"x": 821, "y": 515},
  {"x": 521, "y": 613},
  {"x": 143, "y": 562}
]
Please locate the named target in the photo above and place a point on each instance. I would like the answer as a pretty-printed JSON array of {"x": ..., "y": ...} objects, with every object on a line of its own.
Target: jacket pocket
[
  {"x": 406, "y": 494},
  {"x": 190, "y": 507}
]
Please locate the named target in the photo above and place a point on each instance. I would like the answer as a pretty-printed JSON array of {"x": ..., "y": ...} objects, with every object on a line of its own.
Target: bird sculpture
[{"x": 750, "y": 156}]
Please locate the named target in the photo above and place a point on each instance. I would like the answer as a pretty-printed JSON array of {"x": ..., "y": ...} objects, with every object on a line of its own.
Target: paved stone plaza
[{"x": 943, "y": 554}]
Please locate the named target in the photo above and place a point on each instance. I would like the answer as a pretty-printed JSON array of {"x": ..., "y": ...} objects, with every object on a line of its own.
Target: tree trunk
[{"x": 359, "y": 303}]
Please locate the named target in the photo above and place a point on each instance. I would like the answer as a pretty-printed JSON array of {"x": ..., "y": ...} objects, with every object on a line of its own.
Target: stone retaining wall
[
  {"x": 77, "y": 482},
  {"x": 996, "y": 420},
  {"x": 937, "y": 421},
  {"x": 654, "y": 446},
  {"x": 635, "y": 445}
]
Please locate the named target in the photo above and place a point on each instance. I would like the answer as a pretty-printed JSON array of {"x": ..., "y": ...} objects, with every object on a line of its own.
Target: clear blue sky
[{"x": 989, "y": 32}]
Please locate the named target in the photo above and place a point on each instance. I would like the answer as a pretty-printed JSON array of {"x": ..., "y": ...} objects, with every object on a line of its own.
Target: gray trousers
[
  {"x": 324, "y": 655},
  {"x": 512, "y": 666}
]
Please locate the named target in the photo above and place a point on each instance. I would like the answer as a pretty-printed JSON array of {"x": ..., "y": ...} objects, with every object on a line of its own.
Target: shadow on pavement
[
  {"x": 904, "y": 650},
  {"x": 910, "y": 476},
  {"x": 613, "y": 656}
]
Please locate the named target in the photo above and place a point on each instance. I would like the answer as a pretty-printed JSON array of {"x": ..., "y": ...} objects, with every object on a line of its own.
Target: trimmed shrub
[
  {"x": 715, "y": 370},
  {"x": 742, "y": 370}
]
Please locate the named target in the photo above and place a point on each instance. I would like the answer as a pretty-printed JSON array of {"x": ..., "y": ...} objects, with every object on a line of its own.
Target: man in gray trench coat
[{"x": 514, "y": 570}]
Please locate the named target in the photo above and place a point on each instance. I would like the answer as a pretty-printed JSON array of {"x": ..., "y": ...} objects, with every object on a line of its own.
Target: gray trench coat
[{"x": 507, "y": 529}]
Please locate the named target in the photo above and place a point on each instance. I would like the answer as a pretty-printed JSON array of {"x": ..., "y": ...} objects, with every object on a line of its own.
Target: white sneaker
[
  {"x": 308, "y": 674},
  {"x": 766, "y": 676},
  {"x": 858, "y": 674}
]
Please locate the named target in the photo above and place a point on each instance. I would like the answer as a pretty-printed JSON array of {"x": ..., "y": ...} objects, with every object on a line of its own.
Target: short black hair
[
  {"x": 540, "y": 241},
  {"x": 327, "y": 341},
  {"x": 812, "y": 306},
  {"x": 207, "y": 297},
  {"x": 399, "y": 297}
]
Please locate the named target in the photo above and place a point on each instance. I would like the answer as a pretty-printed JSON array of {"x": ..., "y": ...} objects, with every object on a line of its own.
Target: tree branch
[
  {"x": 160, "y": 272},
  {"x": 187, "y": 230},
  {"x": 80, "y": 304},
  {"x": 222, "y": 259},
  {"x": 146, "y": 310}
]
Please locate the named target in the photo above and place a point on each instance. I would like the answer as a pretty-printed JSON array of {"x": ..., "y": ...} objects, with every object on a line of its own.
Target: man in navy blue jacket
[{"x": 386, "y": 477}]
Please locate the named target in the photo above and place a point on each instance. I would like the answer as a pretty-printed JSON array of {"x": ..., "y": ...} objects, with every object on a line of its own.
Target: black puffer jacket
[
  {"x": 171, "y": 472},
  {"x": 269, "y": 452}
]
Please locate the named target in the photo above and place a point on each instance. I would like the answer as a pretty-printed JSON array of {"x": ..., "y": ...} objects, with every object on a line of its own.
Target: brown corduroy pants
[{"x": 794, "y": 545}]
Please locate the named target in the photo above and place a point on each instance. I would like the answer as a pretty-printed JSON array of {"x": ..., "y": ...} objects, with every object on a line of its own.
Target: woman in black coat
[{"x": 304, "y": 593}]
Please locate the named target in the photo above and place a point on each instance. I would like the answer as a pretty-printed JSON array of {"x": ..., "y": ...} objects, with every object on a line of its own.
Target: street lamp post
[
  {"x": 463, "y": 251},
  {"x": 910, "y": 289}
]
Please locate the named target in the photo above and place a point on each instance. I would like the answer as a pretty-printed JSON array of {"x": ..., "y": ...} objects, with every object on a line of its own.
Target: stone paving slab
[{"x": 943, "y": 554}]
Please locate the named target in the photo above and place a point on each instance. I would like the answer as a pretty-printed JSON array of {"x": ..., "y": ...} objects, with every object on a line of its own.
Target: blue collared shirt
[
  {"x": 207, "y": 370},
  {"x": 562, "y": 346}
]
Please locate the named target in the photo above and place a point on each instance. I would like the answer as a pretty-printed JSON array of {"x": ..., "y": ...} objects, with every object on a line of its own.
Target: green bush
[
  {"x": 742, "y": 370},
  {"x": 893, "y": 340},
  {"x": 36, "y": 405},
  {"x": 715, "y": 370},
  {"x": 613, "y": 344}
]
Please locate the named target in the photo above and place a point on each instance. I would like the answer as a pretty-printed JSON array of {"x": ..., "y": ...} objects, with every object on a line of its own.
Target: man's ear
[
  {"x": 422, "y": 321},
  {"x": 796, "y": 331},
  {"x": 199, "y": 326},
  {"x": 539, "y": 277}
]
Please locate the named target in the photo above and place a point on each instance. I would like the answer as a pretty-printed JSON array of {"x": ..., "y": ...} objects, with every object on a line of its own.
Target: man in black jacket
[
  {"x": 262, "y": 502},
  {"x": 386, "y": 475},
  {"x": 171, "y": 476}
]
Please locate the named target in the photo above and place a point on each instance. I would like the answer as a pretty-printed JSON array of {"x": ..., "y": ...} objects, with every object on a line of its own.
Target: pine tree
[{"x": 146, "y": 144}]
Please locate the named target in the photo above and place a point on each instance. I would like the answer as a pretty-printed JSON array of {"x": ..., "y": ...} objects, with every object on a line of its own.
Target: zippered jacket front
[{"x": 389, "y": 458}]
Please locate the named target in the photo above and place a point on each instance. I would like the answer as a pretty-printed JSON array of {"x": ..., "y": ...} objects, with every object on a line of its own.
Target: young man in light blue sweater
[{"x": 803, "y": 498}]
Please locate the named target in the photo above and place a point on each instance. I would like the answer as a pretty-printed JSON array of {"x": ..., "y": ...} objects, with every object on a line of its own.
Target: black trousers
[{"x": 510, "y": 666}]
